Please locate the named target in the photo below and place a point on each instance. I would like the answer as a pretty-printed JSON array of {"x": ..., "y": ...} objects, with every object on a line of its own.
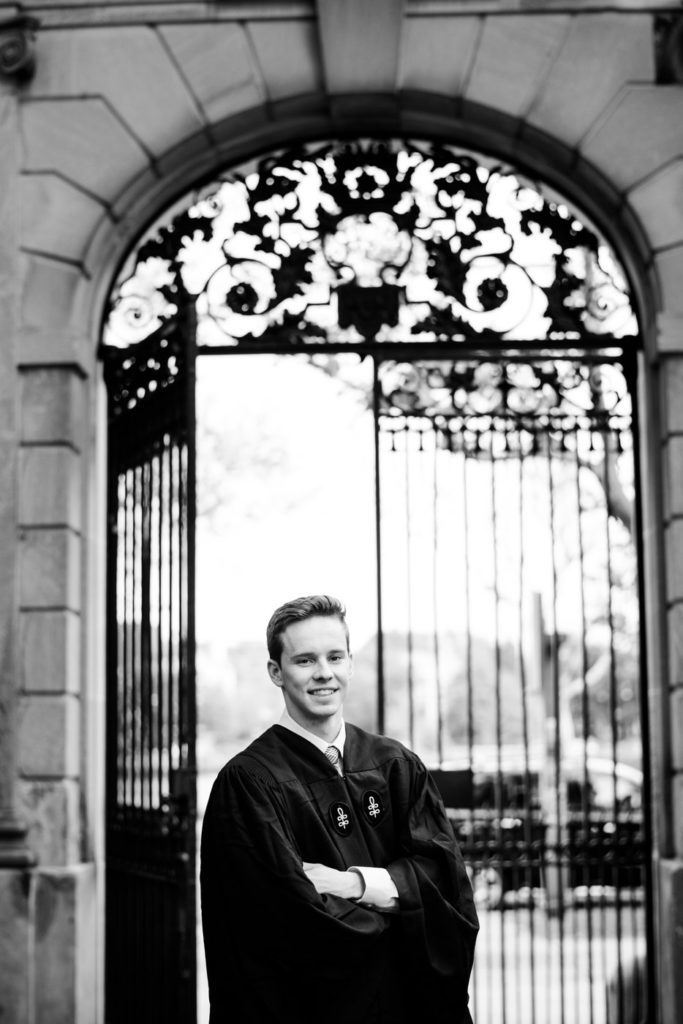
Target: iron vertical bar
[
  {"x": 163, "y": 483},
  {"x": 528, "y": 817},
  {"x": 613, "y": 701},
  {"x": 378, "y": 542},
  {"x": 409, "y": 593},
  {"x": 500, "y": 788},
  {"x": 468, "y": 617},
  {"x": 132, "y": 687},
  {"x": 145, "y": 645},
  {"x": 175, "y": 613},
  {"x": 159, "y": 611},
  {"x": 182, "y": 604},
  {"x": 585, "y": 718},
  {"x": 189, "y": 960},
  {"x": 126, "y": 628},
  {"x": 435, "y": 600},
  {"x": 138, "y": 673},
  {"x": 468, "y": 659},
  {"x": 115, "y": 632},
  {"x": 113, "y": 650},
  {"x": 138, "y": 662},
  {"x": 555, "y": 680},
  {"x": 169, "y": 621},
  {"x": 516, "y": 865}
]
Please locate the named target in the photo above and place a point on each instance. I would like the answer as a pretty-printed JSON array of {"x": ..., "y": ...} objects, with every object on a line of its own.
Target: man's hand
[{"x": 348, "y": 884}]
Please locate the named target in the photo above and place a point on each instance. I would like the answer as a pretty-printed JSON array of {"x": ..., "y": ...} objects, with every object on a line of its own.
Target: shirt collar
[{"x": 287, "y": 722}]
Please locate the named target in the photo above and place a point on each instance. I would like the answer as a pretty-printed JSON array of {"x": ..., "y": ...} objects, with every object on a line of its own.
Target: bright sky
[
  {"x": 289, "y": 471},
  {"x": 303, "y": 526}
]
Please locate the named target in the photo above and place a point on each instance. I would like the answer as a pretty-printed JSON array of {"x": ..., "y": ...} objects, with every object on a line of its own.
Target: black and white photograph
[{"x": 341, "y": 512}]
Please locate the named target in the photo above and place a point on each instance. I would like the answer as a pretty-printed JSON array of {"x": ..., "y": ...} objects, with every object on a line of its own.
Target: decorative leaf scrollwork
[
  {"x": 374, "y": 241},
  {"x": 596, "y": 393}
]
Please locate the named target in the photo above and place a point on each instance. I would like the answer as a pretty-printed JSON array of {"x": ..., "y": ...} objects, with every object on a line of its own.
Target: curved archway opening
[{"x": 460, "y": 340}]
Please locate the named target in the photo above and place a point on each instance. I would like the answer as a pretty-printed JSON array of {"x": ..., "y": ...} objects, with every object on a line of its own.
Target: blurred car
[{"x": 520, "y": 831}]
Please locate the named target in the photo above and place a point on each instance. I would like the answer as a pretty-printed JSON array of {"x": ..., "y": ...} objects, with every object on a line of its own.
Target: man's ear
[
  {"x": 350, "y": 664},
  {"x": 275, "y": 673}
]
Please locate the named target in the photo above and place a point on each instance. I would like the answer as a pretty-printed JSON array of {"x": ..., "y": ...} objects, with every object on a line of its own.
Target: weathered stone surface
[
  {"x": 8, "y": 575},
  {"x": 670, "y": 976},
  {"x": 513, "y": 60},
  {"x": 49, "y": 294},
  {"x": 637, "y": 134},
  {"x": 659, "y": 204},
  {"x": 66, "y": 955},
  {"x": 356, "y": 61},
  {"x": 84, "y": 141},
  {"x": 677, "y": 731},
  {"x": 49, "y": 736},
  {"x": 288, "y": 57},
  {"x": 56, "y": 217},
  {"x": 673, "y": 476},
  {"x": 51, "y": 812},
  {"x": 130, "y": 68},
  {"x": 15, "y": 946},
  {"x": 52, "y": 406},
  {"x": 610, "y": 50},
  {"x": 675, "y": 636},
  {"x": 437, "y": 53},
  {"x": 217, "y": 66},
  {"x": 49, "y": 569},
  {"x": 677, "y": 789},
  {"x": 50, "y": 487},
  {"x": 669, "y": 333},
  {"x": 9, "y": 308},
  {"x": 49, "y": 652},
  {"x": 674, "y": 559},
  {"x": 672, "y": 389},
  {"x": 669, "y": 266},
  {"x": 68, "y": 347}
]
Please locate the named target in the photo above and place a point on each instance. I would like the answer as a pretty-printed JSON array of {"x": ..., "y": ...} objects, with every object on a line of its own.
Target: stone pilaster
[{"x": 12, "y": 849}]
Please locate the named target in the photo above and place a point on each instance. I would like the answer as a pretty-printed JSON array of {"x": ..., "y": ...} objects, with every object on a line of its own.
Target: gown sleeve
[
  {"x": 258, "y": 906},
  {"x": 436, "y": 908}
]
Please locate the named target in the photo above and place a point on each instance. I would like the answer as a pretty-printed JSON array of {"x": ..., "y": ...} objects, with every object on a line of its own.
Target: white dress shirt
[{"x": 379, "y": 889}]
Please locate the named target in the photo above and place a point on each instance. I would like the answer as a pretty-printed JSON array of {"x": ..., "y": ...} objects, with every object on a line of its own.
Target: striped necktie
[{"x": 334, "y": 757}]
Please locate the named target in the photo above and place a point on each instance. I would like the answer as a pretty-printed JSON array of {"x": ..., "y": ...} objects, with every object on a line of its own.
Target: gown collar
[{"x": 287, "y": 722}]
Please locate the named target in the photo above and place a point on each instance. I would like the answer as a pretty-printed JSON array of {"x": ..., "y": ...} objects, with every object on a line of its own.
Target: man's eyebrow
[{"x": 312, "y": 654}]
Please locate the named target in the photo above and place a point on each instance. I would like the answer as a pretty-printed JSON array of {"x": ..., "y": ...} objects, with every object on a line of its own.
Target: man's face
[{"x": 314, "y": 670}]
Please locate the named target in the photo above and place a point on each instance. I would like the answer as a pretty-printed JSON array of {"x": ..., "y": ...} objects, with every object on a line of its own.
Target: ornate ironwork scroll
[
  {"x": 18, "y": 47},
  {"x": 551, "y": 386},
  {"x": 382, "y": 241},
  {"x": 514, "y": 402}
]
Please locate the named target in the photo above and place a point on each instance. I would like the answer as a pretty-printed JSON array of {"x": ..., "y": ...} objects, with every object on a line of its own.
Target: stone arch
[
  {"x": 102, "y": 150},
  {"x": 78, "y": 286}
]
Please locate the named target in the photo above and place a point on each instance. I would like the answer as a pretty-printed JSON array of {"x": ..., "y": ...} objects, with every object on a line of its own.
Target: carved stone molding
[{"x": 17, "y": 47}]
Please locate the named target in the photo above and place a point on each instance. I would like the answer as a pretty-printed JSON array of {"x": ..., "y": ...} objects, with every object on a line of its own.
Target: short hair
[{"x": 298, "y": 610}]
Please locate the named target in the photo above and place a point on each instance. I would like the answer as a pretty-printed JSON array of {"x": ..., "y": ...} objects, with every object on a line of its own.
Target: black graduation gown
[{"x": 276, "y": 950}]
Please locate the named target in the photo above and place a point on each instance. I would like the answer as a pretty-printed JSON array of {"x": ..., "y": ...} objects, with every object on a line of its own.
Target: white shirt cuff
[{"x": 380, "y": 890}]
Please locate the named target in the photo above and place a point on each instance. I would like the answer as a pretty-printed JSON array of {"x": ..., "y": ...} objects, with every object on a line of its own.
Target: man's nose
[{"x": 322, "y": 669}]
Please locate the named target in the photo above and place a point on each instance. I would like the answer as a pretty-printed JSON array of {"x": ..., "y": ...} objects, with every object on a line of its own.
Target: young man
[{"x": 333, "y": 889}]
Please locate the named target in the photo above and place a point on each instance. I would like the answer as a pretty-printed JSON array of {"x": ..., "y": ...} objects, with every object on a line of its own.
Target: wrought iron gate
[
  {"x": 512, "y": 661},
  {"x": 501, "y": 331},
  {"x": 150, "y": 841}
]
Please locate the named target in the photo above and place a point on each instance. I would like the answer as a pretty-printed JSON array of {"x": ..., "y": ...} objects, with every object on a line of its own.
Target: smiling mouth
[{"x": 324, "y": 691}]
